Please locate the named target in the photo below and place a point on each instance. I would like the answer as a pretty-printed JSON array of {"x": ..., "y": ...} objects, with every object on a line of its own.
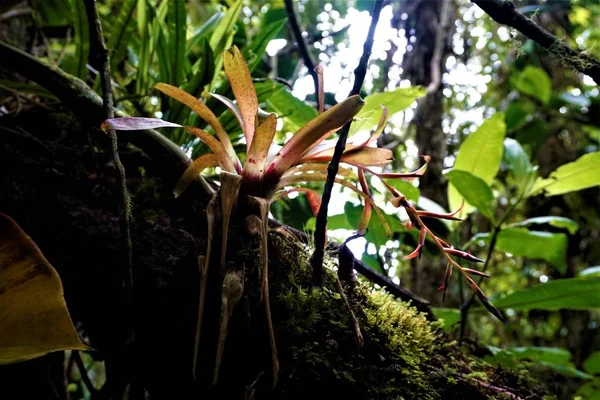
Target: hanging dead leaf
[{"x": 34, "y": 319}]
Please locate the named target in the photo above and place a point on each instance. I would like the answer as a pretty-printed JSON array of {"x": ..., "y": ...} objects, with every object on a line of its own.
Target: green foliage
[
  {"x": 474, "y": 190},
  {"x": 577, "y": 175},
  {"x": 449, "y": 317},
  {"x": 82, "y": 38},
  {"x": 395, "y": 101},
  {"x": 480, "y": 155},
  {"x": 557, "y": 222},
  {"x": 534, "y": 82},
  {"x": 574, "y": 294},
  {"x": 551, "y": 247}
]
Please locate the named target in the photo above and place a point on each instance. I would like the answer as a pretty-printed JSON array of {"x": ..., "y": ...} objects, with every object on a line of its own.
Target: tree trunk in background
[{"x": 424, "y": 23}]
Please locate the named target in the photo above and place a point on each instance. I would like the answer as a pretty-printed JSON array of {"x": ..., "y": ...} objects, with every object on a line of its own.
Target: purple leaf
[{"x": 136, "y": 124}]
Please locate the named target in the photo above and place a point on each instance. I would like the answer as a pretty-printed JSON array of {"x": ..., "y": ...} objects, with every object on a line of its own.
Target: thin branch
[
  {"x": 297, "y": 32},
  {"x": 109, "y": 113},
  {"x": 438, "y": 51},
  {"x": 332, "y": 169},
  {"x": 84, "y": 376},
  {"x": 504, "y": 12}
]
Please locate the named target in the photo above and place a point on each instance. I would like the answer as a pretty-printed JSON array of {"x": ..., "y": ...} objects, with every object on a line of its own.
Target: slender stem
[
  {"x": 84, "y": 376},
  {"x": 504, "y": 12},
  {"x": 466, "y": 306},
  {"x": 332, "y": 169},
  {"x": 297, "y": 32}
]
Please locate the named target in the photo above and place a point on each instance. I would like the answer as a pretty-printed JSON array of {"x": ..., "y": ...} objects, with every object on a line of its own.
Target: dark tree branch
[
  {"x": 332, "y": 169},
  {"x": 438, "y": 51},
  {"x": 297, "y": 33},
  {"x": 504, "y": 12}
]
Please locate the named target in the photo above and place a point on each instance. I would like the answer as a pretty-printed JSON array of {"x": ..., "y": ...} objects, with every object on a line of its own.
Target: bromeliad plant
[{"x": 271, "y": 172}]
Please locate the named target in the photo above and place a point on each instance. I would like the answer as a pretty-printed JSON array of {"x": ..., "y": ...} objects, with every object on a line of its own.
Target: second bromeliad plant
[{"x": 270, "y": 172}]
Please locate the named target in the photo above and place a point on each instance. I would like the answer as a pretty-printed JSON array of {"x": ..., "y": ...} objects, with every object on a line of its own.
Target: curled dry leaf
[{"x": 34, "y": 319}]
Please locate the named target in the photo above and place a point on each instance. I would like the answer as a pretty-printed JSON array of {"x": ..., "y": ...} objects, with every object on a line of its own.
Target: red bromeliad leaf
[
  {"x": 409, "y": 175},
  {"x": 311, "y": 134},
  {"x": 448, "y": 216},
  {"x": 217, "y": 148},
  {"x": 476, "y": 272},
  {"x": 193, "y": 170},
  {"x": 448, "y": 274},
  {"x": 462, "y": 254},
  {"x": 358, "y": 156},
  {"x": 257, "y": 155},
  {"x": 243, "y": 89},
  {"x": 136, "y": 124},
  {"x": 203, "y": 112}
]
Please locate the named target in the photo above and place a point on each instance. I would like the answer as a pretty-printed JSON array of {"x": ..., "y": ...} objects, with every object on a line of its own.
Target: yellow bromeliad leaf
[
  {"x": 34, "y": 319},
  {"x": 257, "y": 155},
  {"x": 243, "y": 89},
  {"x": 193, "y": 170},
  {"x": 361, "y": 156},
  {"x": 216, "y": 147},
  {"x": 203, "y": 112}
]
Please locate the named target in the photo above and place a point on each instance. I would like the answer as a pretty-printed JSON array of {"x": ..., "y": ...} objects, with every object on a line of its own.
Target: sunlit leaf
[
  {"x": 580, "y": 174},
  {"x": 34, "y": 319},
  {"x": 574, "y": 294},
  {"x": 395, "y": 101},
  {"x": 517, "y": 163},
  {"x": 480, "y": 154},
  {"x": 590, "y": 272},
  {"x": 448, "y": 316}
]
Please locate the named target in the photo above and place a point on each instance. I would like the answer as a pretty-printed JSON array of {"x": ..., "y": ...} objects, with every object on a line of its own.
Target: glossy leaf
[
  {"x": 551, "y": 247},
  {"x": 294, "y": 112},
  {"x": 573, "y": 294},
  {"x": 34, "y": 319},
  {"x": 577, "y": 175},
  {"x": 557, "y": 222},
  {"x": 534, "y": 82},
  {"x": 590, "y": 272},
  {"x": 480, "y": 154},
  {"x": 517, "y": 163},
  {"x": 474, "y": 190}
]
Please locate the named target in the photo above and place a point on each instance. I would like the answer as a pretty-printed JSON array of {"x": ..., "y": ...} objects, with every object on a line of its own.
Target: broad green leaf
[
  {"x": 177, "y": 34},
  {"x": 517, "y": 163},
  {"x": 534, "y": 82},
  {"x": 517, "y": 113},
  {"x": 448, "y": 316},
  {"x": 406, "y": 188},
  {"x": 580, "y": 174},
  {"x": 557, "y": 222},
  {"x": 395, "y": 101},
  {"x": 480, "y": 154},
  {"x": 258, "y": 47},
  {"x": 550, "y": 247},
  {"x": 294, "y": 112},
  {"x": 591, "y": 365},
  {"x": 474, "y": 190},
  {"x": 566, "y": 370},
  {"x": 590, "y": 272},
  {"x": 81, "y": 38},
  {"x": 574, "y": 294},
  {"x": 33, "y": 313},
  {"x": 120, "y": 33}
]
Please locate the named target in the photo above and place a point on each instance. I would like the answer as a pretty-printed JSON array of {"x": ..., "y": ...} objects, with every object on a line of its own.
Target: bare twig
[
  {"x": 438, "y": 51},
  {"x": 109, "y": 113},
  {"x": 332, "y": 169},
  {"x": 504, "y": 12},
  {"x": 297, "y": 32}
]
